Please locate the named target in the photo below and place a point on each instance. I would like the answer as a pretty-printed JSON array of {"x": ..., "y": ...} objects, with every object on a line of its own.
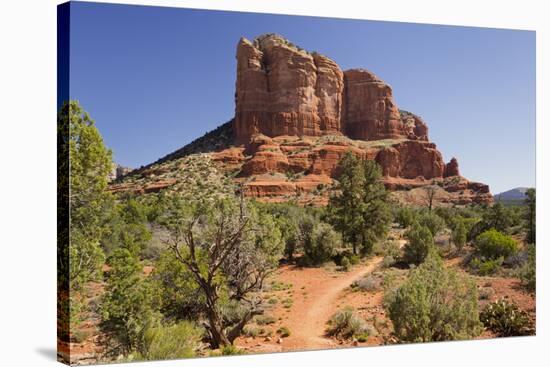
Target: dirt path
[{"x": 316, "y": 296}]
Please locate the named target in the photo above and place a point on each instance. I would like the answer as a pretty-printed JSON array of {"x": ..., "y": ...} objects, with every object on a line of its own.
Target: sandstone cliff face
[
  {"x": 370, "y": 112},
  {"x": 282, "y": 90}
]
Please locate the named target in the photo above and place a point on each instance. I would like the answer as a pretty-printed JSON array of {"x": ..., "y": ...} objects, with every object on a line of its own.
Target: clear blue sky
[{"x": 156, "y": 78}]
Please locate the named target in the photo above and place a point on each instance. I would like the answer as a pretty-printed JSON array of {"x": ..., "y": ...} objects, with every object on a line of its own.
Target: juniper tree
[{"x": 229, "y": 248}]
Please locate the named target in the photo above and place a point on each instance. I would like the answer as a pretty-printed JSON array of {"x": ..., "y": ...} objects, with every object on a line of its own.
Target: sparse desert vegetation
[{"x": 199, "y": 269}]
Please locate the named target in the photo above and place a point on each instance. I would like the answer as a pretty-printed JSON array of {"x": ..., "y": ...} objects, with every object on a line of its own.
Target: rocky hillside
[{"x": 296, "y": 114}]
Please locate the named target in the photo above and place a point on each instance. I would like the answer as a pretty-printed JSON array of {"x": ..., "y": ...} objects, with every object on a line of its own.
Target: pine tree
[{"x": 359, "y": 210}]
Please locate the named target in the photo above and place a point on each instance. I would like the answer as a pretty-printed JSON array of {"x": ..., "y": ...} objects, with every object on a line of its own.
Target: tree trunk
[{"x": 215, "y": 321}]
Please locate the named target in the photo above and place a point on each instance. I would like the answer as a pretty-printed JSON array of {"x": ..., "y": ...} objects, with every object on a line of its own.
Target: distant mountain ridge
[{"x": 515, "y": 194}]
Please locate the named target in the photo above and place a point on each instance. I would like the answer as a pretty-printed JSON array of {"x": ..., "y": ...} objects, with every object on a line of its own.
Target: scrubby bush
[
  {"x": 420, "y": 243},
  {"x": 498, "y": 216},
  {"x": 346, "y": 264},
  {"x": 505, "y": 318},
  {"x": 405, "y": 217},
  {"x": 283, "y": 331},
  {"x": 265, "y": 319},
  {"x": 434, "y": 304},
  {"x": 319, "y": 241},
  {"x": 231, "y": 350},
  {"x": 432, "y": 221},
  {"x": 345, "y": 324},
  {"x": 170, "y": 342},
  {"x": 127, "y": 307},
  {"x": 252, "y": 331},
  {"x": 486, "y": 267},
  {"x": 493, "y": 244},
  {"x": 528, "y": 272},
  {"x": 459, "y": 234},
  {"x": 367, "y": 284}
]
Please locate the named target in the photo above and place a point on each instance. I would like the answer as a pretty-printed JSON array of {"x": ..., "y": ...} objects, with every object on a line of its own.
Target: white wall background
[{"x": 28, "y": 180}]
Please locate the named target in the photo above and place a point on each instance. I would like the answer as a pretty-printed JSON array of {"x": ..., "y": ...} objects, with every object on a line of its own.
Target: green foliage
[
  {"x": 252, "y": 331},
  {"x": 493, "y": 244},
  {"x": 287, "y": 218},
  {"x": 431, "y": 221},
  {"x": 265, "y": 319},
  {"x": 283, "y": 331},
  {"x": 367, "y": 284},
  {"x": 360, "y": 212},
  {"x": 499, "y": 217},
  {"x": 127, "y": 228},
  {"x": 127, "y": 306},
  {"x": 434, "y": 304},
  {"x": 90, "y": 165},
  {"x": 177, "y": 293},
  {"x": 531, "y": 215},
  {"x": 486, "y": 267},
  {"x": 345, "y": 324},
  {"x": 459, "y": 234},
  {"x": 230, "y": 247},
  {"x": 405, "y": 217},
  {"x": 391, "y": 252},
  {"x": 528, "y": 272},
  {"x": 319, "y": 241},
  {"x": 505, "y": 318},
  {"x": 346, "y": 264},
  {"x": 420, "y": 244},
  {"x": 180, "y": 340},
  {"x": 231, "y": 350}
]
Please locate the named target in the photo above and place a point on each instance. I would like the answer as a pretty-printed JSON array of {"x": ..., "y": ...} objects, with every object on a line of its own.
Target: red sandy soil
[{"x": 315, "y": 293}]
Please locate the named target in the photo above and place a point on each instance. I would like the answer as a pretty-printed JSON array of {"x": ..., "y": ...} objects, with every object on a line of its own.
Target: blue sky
[{"x": 156, "y": 78}]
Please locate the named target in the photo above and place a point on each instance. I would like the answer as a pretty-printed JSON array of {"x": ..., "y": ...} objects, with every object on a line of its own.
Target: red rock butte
[
  {"x": 297, "y": 113},
  {"x": 284, "y": 90}
]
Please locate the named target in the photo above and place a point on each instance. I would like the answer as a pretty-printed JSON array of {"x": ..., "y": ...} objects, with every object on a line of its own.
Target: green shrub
[
  {"x": 420, "y": 244},
  {"x": 528, "y": 272},
  {"x": 319, "y": 241},
  {"x": 265, "y": 320},
  {"x": 493, "y": 244},
  {"x": 346, "y": 264},
  {"x": 486, "y": 267},
  {"x": 505, "y": 318},
  {"x": 390, "y": 248},
  {"x": 405, "y": 217},
  {"x": 170, "y": 342},
  {"x": 432, "y": 221},
  {"x": 367, "y": 284},
  {"x": 280, "y": 286},
  {"x": 283, "y": 331},
  {"x": 252, "y": 331},
  {"x": 345, "y": 324},
  {"x": 362, "y": 338},
  {"x": 459, "y": 234},
  {"x": 231, "y": 350},
  {"x": 434, "y": 304}
]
